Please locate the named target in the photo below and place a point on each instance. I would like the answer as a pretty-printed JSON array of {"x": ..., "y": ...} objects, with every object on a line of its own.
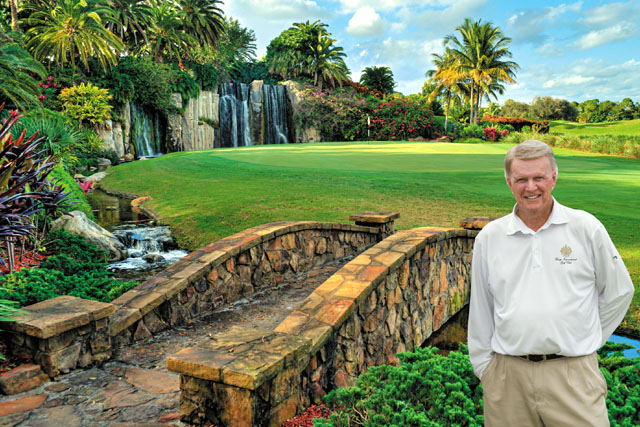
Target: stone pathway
[{"x": 134, "y": 388}]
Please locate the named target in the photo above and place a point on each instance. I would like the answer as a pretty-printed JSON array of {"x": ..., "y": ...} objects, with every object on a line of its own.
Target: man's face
[{"x": 531, "y": 182}]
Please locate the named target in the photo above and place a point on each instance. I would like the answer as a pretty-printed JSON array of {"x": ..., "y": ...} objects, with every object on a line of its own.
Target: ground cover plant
[
  {"x": 429, "y": 389},
  {"x": 207, "y": 195},
  {"x": 624, "y": 127}
]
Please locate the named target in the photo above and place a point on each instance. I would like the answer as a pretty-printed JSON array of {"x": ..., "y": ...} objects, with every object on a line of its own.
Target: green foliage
[
  {"x": 17, "y": 70},
  {"x": 183, "y": 83},
  {"x": 623, "y": 384},
  {"x": 338, "y": 114},
  {"x": 77, "y": 268},
  {"x": 471, "y": 131},
  {"x": 621, "y": 145},
  {"x": 427, "y": 389},
  {"x": 206, "y": 75},
  {"x": 86, "y": 102},
  {"x": 378, "y": 78},
  {"x": 69, "y": 184},
  {"x": 400, "y": 119}
]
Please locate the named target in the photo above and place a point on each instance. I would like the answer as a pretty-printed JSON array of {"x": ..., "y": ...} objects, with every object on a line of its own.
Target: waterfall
[
  {"x": 235, "y": 129},
  {"x": 275, "y": 113},
  {"x": 146, "y": 132},
  {"x": 236, "y": 116}
]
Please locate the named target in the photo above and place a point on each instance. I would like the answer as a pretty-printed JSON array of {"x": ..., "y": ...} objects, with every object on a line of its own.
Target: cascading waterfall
[
  {"x": 236, "y": 115},
  {"x": 275, "y": 114},
  {"x": 146, "y": 133},
  {"x": 235, "y": 129}
]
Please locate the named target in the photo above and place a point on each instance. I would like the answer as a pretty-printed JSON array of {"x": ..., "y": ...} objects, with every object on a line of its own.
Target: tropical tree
[
  {"x": 378, "y": 78},
  {"x": 480, "y": 52},
  {"x": 13, "y": 5},
  {"x": 448, "y": 78},
  {"x": 326, "y": 62},
  {"x": 68, "y": 30},
  {"x": 16, "y": 86},
  {"x": 129, "y": 20},
  {"x": 166, "y": 35},
  {"x": 203, "y": 19}
]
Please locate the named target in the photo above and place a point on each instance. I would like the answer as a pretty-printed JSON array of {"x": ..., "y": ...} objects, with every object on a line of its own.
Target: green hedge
[
  {"x": 621, "y": 145},
  {"x": 70, "y": 184},
  {"x": 432, "y": 390}
]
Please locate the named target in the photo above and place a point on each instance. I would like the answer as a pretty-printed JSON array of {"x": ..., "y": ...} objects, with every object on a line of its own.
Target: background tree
[
  {"x": 72, "y": 31},
  {"x": 326, "y": 62},
  {"x": 512, "y": 108},
  {"x": 378, "y": 78},
  {"x": 203, "y": 19},
  {"x": 166, "y": 35},
  {"x": 129, "y": 20},
  {"x": 448, "y": 78},
  {"x": 480, "y": 51}
]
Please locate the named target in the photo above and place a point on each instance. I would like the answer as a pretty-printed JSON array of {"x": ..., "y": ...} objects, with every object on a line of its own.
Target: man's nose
[{"x": 531, "y": 185}]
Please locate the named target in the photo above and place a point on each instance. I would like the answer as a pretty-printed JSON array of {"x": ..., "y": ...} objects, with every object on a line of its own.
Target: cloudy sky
[{"x": 576, "y": 50}]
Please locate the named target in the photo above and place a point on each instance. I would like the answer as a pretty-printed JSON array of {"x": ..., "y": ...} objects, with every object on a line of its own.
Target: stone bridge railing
[
  {"x": 66, "y": 333},
  {"x": 388, "y": 299}
]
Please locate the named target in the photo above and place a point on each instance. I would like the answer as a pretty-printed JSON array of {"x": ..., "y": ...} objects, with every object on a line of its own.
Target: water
[
  {"x": 632, "y": 352},
  {"x": 150, "y": 248},
  {"x": 146, "y": 133},
  {"x": 235, "y": 115}
]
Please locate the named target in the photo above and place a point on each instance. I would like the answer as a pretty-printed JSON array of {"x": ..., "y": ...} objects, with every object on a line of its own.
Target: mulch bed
[
  {"x": 10, "y": 361},
  {"x": 26, "y": 260},
  {"x": 306, "y": 418}
]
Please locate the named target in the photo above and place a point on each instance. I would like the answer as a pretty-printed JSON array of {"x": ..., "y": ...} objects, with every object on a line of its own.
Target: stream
[{"x": 150, "y": 248}]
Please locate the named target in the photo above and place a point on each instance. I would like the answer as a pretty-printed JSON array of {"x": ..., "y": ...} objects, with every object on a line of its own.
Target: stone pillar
[
  {"x": 255, "y": 108},
  {"x": 382, "y": 220},
  {"x": 476, "y": 222}
]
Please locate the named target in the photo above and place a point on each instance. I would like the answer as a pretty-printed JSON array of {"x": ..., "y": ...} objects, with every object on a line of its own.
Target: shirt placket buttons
[{"x": 536, "y": 252}]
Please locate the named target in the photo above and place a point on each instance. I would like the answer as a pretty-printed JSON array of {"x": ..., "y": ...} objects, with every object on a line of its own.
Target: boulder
[
  {"x": 96, "y": 177},
  {"x": 83, "y": 226},
  {"x": 103, "y": 164}
]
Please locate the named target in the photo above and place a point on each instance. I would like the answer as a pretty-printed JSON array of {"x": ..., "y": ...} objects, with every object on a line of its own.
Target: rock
[
  {"x": 79, "y": 176},
  {"x": 22, "y": 378},
  {"x": 153, "y": 258},
  {"x": 22, "y": 404},
  {"x": 128, "y": 157},
  {"x": 255, "y": 100},
  {"x": 96, "y": 177},
  {"x": 103, "y": 164},
  {"x": 153, "y": 381},
  {"x": 138, "y": 201},
  {"x": 83, "y": 226}
]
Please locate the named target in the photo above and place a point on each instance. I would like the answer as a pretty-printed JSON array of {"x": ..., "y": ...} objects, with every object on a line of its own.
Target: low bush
[
  {"x": 86, "y": 102},
  {"x": 518, "y": 123},
  {"x": 75, "y": 268},
  {"x": 471, "y": 131},
  {"x": 398, "y": 119},
  {"x": 621, "y": 145},
  {"x": 431, "y": 390}
]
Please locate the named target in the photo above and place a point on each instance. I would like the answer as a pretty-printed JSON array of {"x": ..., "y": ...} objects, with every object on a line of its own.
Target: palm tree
[
  {"x": 165, "y": 33},
  {"x": 70, "y": 29},
  {"x": 288, "y": 54},
  {"x": 378, "y": 78},
  {"x": 15, "y": 85},
  {"x": 448, "y": 77},
  {"x": 326, "y": 62},
  {"x": 480, "y": 52},
  {"x": 203, "y": 18},
  {"x": 130, "y": 19},
  {"x": 13, "y": 5}
]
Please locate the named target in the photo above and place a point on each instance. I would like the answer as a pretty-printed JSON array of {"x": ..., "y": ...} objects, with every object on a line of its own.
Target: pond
[{"x": 455, "y": 331}]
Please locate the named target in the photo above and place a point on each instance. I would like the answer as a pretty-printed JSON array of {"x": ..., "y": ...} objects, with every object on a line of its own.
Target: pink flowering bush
[
  {"x": 493, "y": 134},
  {"x": 49, "y": 91},
  {"x": 399, "y": 119}
]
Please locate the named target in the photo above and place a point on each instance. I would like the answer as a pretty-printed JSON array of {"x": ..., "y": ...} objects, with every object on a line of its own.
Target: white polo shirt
[{"x": 560, "y": 290}]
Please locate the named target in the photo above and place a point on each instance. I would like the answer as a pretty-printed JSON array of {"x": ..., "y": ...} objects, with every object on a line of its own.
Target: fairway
[
  {"x": 206, "y": 195},
  {"x": 624, "y": 127}
]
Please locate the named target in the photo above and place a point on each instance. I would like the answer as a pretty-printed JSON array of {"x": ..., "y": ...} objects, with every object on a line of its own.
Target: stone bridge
[{"x": 394, "y": 291}]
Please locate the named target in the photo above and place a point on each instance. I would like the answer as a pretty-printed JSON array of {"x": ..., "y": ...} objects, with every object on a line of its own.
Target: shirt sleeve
[
  {"x": 615, "y": 289},
  {"x": 481, "y": 322}
]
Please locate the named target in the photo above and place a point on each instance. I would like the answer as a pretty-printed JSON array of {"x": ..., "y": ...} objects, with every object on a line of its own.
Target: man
[{"x": 548, "y": 288}]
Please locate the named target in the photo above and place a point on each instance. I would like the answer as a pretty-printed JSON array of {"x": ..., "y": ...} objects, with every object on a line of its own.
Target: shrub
[
  {"x": 518, "y": 123},
  {"x": 86, "y": 102},
  {"x": 401, "y": 119},
  {"x": 471, "y": 131},
  {"x": 76, "y": 268},
  {"x": 493, "y": 134}
]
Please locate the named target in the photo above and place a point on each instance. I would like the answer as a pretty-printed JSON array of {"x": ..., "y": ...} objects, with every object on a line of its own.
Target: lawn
[
  {"x": 625, "y": 127},
  {"x": 206, "y": 195}
]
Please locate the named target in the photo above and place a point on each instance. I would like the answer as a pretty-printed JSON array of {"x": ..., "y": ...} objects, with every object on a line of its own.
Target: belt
[{"x": 540, "y": 357}]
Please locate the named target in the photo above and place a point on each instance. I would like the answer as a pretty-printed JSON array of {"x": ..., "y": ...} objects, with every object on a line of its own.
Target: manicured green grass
[
  {"x": 207, "y": 195},
  {"x": 624, "y": 127}
]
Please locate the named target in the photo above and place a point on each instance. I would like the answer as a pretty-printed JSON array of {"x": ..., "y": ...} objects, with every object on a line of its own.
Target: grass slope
[
  {"x": 207, "y": 195},
  {"x": 624, "y": 127}
]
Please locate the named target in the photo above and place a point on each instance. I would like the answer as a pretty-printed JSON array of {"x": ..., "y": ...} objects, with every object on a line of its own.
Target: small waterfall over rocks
[
  {"x": 147, "y": 131},
  {"x": 253, "y": 114}
]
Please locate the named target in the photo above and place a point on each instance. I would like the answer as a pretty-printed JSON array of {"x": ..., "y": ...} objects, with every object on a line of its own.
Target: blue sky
[{"x": 576, "y": 50}]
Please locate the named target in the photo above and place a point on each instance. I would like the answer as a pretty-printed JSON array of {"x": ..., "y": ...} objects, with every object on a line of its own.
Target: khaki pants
[{"x": 567, "y": 392}]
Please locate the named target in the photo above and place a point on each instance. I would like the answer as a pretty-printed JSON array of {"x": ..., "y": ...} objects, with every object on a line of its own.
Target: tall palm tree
[
  {"x": 203, "y": 18},
  {"x": 68, "y": 30},
  {"x": 13, "y": 6},
  {"x": 448, "y": 77},
  {"x": 129, "y": 20},
  {"x": 165, "y": 33},
  {"x": 378, "y": 78},
  {"x": 326, "y": 62},
  {"x": 480, "y": 51},
  {"x": 289, "y": 53},
  {"x": 15, "y": 85}
]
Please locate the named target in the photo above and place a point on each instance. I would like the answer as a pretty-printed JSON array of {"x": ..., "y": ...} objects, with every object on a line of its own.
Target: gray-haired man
[{"x": 548, "y": 288}]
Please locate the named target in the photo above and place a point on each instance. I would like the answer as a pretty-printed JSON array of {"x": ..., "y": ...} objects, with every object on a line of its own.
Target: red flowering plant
[
  {"x": 400, "y": 119},
  {"x": 49, "y": 91},
  {"x": 493, "y": 134}
]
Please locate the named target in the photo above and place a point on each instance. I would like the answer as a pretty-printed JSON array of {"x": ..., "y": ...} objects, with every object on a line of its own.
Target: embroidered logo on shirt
[{"x": 566, "y": 252}]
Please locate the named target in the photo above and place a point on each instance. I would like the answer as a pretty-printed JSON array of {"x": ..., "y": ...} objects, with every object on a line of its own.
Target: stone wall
[
  {"x": 389, "y": 299},
  {"x": 66, "y": 333},
  {"x": 195, "y": 128}
]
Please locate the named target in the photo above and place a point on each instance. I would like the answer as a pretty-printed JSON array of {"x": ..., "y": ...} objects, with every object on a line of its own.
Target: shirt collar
[{"x": 558, "y": 216}]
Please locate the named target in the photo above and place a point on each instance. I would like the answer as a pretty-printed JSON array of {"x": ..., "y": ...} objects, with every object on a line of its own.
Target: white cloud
[
  {"x": 607, "y": 35},
  {"x": 366, "y": 22},
  {"x": 399, "y": 27},
  {"x": 530, "y": 25},
  {"x": 363, "y": 53},
  {"x": 278, "y": 10},
  {"x": 611, "y": 13},
  {"x": 349, "y": 6},
  {"x": 433, "y": 46}
]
